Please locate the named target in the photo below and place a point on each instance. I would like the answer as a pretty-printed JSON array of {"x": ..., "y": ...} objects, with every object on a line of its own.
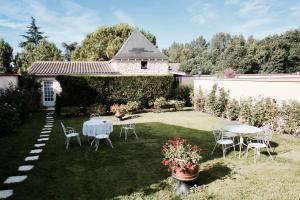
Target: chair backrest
[
  {"x": 132, "y": 121},
  {"x": 95, "y": 116},
  {"x": 63, "y": 128},
  {"x": 217, "y": 134}
]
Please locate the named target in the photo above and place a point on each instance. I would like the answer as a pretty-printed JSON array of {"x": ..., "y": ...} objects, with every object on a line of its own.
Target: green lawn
[{"x": 132, "y": 170}]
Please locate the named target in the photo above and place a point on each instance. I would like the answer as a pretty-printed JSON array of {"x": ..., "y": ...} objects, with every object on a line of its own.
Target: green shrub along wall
[{"x": 86, "y": 90}]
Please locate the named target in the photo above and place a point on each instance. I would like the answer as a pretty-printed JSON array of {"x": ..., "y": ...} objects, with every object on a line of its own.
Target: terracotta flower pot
[
  {"x": 186, "y": 174},
  {"x": 119, "y": 114}
]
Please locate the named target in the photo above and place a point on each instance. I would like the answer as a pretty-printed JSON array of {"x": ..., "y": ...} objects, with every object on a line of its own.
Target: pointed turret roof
[{"x": 137, "y": 46}]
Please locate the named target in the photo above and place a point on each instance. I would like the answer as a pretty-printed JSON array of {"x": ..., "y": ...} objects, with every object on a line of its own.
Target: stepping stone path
[
  {"x": 46, "y": 135},
  {"x": 43, "y": 139},
  {"x": 31, "y": 158},
  {"x": 40, "y": 145},
  {"x": 25, "y": 168},
  {"x": 15, "y": 179},
  {"x": 6, "y": 193},
  {"x": 36, "y": 151}
]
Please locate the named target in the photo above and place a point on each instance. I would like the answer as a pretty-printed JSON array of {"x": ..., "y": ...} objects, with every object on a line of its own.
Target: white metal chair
[
  {"x": 129, "y": 127},
  {"x": 222, "y": 139},
  {"x": 95, "y": 116},
  {"x": 69, "y": 133},
  {"x": 100, "y": 137},
  {"x": 259, "y": 143}
]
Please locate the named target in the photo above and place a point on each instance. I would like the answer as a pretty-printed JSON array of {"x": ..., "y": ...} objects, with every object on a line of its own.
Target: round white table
[
  {"x": 242, "y": 130},
  {"x": 95, "y": 127}
]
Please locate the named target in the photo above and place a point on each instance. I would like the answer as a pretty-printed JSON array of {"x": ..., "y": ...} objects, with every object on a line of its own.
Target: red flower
[
  {"x": 195, "y": 148},
  {"x": 165, "y": 162}
]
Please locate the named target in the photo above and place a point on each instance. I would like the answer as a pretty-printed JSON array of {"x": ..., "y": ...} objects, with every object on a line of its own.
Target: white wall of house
[
  {"x": 278, "y": 87},
  {"x": 7, "y": 80},
  {"x": 134, "y": 67}
]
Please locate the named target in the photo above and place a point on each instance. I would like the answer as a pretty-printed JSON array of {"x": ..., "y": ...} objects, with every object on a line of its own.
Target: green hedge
[{"x": 87, "y": 90}]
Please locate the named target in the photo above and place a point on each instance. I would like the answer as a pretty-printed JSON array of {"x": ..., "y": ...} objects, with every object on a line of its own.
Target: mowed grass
[{"x": 132, "y": 170}]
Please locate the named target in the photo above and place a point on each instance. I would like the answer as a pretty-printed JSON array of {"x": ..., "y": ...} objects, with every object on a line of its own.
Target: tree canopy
[
  {"x": 273, "y": 54},
  {"x": 33, "y": 35},
  {"x": 69, "y": 48},
  {"x": 6, "y": 56},
  {"x": 44, "y": 51},
  {"x": 105, "y": 42}
]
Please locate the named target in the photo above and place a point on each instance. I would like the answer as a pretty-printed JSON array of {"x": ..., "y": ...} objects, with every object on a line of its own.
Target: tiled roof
[
  {"x": 137, "y": 46},
  {"x": 48, "y": 68}
]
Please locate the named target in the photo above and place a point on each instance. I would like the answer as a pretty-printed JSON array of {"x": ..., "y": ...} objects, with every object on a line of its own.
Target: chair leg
[
  {"x": 121, "y": 132},
  {"x": 67, "y": 146},
  {"x": 96, "y": 144},
  {"x": 109, "y": 141},
  {"x": 126, "y": 131},
  {"x": 78, "y": 139},
  {"x": 135, "y": 134},
  {"x": 269, "y": 153},
  {"x": 214, "y": 149},
  {"x": 224, "y": 151},
  {"x": 234, "y": 150},
  {"x": 247, "y": 151}
]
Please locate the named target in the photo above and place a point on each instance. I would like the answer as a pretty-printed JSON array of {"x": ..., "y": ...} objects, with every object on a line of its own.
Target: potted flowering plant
[
  {"x": 182, "y": 159},
  {"x": 119, "y": 110}
]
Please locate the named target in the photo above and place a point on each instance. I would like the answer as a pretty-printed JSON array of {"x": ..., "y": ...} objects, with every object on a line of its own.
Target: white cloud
[
  {"x": 232, "y": 2},
  {"x": 7, "y": 23},
  {"x": 123, "y": 17},
  {"x": 69, "y": 25},
  {"x": 201, "y": 12},
  {"x": 255, "y": 7}
]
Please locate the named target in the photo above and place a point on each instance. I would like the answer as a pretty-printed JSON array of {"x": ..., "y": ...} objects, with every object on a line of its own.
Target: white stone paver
[
  {"x": 44, "y": 135},
  {"x": 48, "y": 126},
  {"x": 31, "y": 158},
  {"x": 25, "y": 168},
  {"x": 15, "y": 179},
  {"x": 43, "y": 139},
  {"x": 36, "y": 151},
  {"x": 6, "y": 193},
  {"x": 39, "y": 145},
  {"x": 46, "y": 132},
  {"x": 46, "y": 129}
]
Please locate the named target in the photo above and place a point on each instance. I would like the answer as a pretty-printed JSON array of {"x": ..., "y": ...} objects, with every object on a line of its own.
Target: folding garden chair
[
  {"x": 222, "y": 139},
  {"x": 129, "y": 127},
  {"x": 69, "y": 132}
]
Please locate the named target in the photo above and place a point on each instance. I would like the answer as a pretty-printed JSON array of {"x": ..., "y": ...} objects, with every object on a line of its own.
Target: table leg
[{"x": 241, "y": 144}]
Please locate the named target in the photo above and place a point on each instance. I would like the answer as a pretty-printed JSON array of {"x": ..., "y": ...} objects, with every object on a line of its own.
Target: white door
[{"x": 48, "y": 94}]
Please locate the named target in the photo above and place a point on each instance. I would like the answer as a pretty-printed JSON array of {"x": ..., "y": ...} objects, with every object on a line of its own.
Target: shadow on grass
[{"x": 132, "y": 166}]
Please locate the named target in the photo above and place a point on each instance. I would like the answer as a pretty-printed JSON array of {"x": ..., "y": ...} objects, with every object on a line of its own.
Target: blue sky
[{"x": 169, "y": 20}]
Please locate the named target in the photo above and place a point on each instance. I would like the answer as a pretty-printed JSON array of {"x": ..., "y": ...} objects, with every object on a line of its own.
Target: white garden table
[
  {"x": 94, "y": 127},
  {"x": 242, "y": 130},
  {"x": 98, "y": 129}
]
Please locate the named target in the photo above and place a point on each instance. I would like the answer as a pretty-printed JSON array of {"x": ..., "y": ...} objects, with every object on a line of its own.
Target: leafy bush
[
  {"x": 86, "y": 90},
  {"x": 9, "y": 118},
  {"x": 221, "y": 103},
  {"x": 133, "y": 106},
  {"x": 199, "y": 101},
  {"x": 70, "y": 111},
  {"x": 233, "y": 109},
  {"x": 290, "y": 113},
  {"x": 246, "y": 110},
  {"x": 118, "y": 109},
  {"x": 264, "y": 111},
  {"x": 179, "y": 105},
  {"x": 159, "y": 104},
  {"x": 182, "y": 93},
  {"x": 211, "y": 100}
]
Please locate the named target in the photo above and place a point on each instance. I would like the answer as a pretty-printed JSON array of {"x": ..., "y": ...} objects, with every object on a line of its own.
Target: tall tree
[
  {"x": 69, "y": 48},
  {"x": 105, "y": 42},
  {"x": 33, "y": 35},
  {"x": 44, "y": 51},
  {"x": 6, "y": 56}
]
